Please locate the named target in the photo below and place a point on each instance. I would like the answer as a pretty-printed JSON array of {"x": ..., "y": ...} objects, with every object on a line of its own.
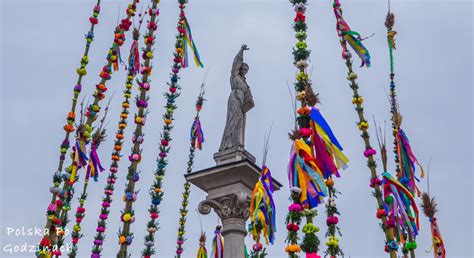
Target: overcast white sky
[{"x": 42, "y": 42}]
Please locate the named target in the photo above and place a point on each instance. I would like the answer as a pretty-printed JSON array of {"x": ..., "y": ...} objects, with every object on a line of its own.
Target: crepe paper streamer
[
  {"x": 353, "y": 38},
  {"x": 188, "y": 37},
  {"x": 305, "y": 174},
  {"x": 79, "y": 159},
  {"x": 134, "y": 65},
  {"x": 197, "y": 135},
  {"x": 202, "y": 251},
  {"x": 402, "y": 203},
  {"x": 407, "y": 161},
  {"x": 125, "y": 235},
  {"x": 164, "y": 148},
  {"x": 329, "y": 156},
  {"x": 262, "y": 208},
  {"x": 94, "y": 165},
  {"x": 217, "y": 244}
]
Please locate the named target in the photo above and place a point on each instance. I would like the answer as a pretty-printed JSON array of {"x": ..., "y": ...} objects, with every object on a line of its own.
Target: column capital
[{"x": 234, "y": 205}]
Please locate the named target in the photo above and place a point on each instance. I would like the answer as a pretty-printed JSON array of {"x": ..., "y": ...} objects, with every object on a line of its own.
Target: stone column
[
  {"x": 229, "y": 186},
  {"x": 233, "y": 210}
]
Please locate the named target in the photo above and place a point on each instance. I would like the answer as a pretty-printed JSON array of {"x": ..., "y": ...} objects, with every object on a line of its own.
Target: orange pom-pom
[
  {"x": 69, "y": 128},
  {"x": 304, "y": 111},
  {"x": 71, "y": 115},
  {"x": 329, "y": 182}
]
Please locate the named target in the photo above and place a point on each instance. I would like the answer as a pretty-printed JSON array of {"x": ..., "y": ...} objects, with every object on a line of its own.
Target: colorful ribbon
[
  {"x": 188, "y": 37},
  {"x": 79, "y": 158},
  {"x": 217, "y": 244},
  {"x": 134, "y": 58},
  {"x": 400, "y": 206},
  {"x": 197, "y": 135},
  {"x": 407, "y": 161},
  {"x": 94, "y": 164},
  {"x": 262, "y": 207},
  {"x": 353, "y": 38},
  {"x": 303, "y": 173},
  {"x": 328, "y": 151}
]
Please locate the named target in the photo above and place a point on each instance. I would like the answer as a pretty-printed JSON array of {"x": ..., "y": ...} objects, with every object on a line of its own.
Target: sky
[{"x": 42, "y": 43}]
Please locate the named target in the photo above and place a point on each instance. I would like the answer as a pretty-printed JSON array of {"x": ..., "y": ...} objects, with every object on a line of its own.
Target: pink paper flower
[
  {"x": 305, "y": 132},
  {"x": 295, "y": 207},
  {"x": 312, "y": 255},
  {"x": 369, "y": 152}
]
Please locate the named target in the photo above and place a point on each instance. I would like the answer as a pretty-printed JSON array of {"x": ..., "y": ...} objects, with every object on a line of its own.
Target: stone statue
[{"x": 240, "y": 101}]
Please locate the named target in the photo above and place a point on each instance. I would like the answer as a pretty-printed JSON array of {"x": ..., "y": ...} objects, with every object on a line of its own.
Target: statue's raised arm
[{"x": 238, "y": 60}]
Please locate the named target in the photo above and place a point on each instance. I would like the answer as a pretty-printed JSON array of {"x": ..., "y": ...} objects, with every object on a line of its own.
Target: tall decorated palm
[
  {"x": 405, "y": 159},
  {"x": 349, "y": 38},
  {"x": 55, "y": 221},
  {"x": 127, "y": 214},
  {"x": 316, "y": 155},
  {"x": 196, "y": 141},
  {"x": 184, "y": 40},
  {"x": 133, "y": 68}
]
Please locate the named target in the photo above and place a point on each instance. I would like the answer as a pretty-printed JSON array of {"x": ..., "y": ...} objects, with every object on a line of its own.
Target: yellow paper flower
[
  {"x": 127, "y": 217},
  {"x": 363, "y": 125},
  {"x": 358, "y": 100}
]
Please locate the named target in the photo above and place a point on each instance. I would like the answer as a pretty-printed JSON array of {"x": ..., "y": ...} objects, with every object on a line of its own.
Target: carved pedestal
[
  {"x": 229, "y": 186},
  {"x": 233, "y": 210}
]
